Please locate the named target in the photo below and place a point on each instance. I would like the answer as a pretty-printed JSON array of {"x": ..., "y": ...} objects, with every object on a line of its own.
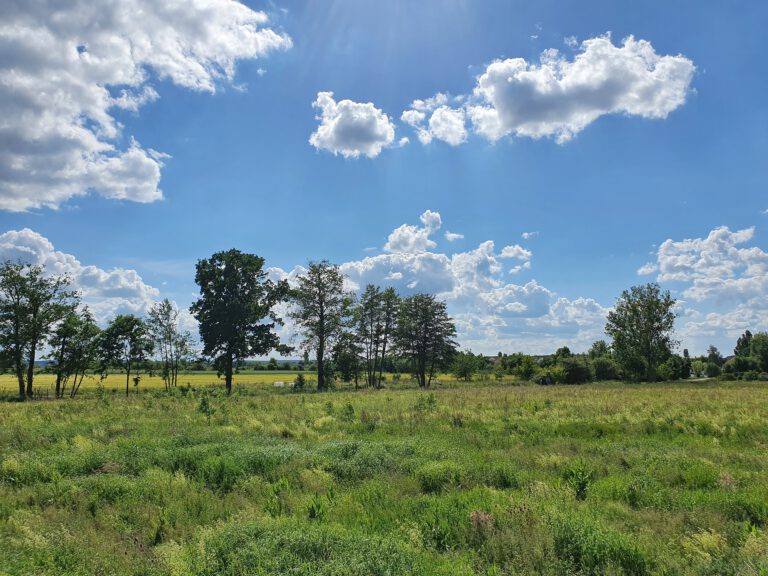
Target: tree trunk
[
  {"x": 228, "y": 374},
  {"x": 127, "y": 378},
  {"x": 320, "y": 368},
  {"x": 20, "y": 377},
  {"x": 31, "y": 368}
]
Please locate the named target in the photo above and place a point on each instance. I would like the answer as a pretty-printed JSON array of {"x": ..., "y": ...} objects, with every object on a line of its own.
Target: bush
[
  {"x": 712, "y": 370},
  {"x": 579, "y": 476},
  {"x": 438, "y": 476},
  {"x": 575, "y": 371},
  {"x": 605, "y": 369},
  {"x": 501, "y": 476},
  {"x": 289, "y": 547},
  {"x": 551, "y": 375},
  {"x": 593, "y": 549}
]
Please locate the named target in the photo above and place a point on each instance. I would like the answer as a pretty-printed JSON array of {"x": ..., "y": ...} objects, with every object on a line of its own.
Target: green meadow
[{"x": 475, "y": 478}]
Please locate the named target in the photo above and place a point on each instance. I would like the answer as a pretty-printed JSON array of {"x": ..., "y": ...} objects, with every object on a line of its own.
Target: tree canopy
[
  {"x": 641, "y": 326},
  {"x": 425, "y": 335},
  {"x": 321, "y": 310},
  {"x": 236, "y": 309},
  {"x": 31, "y": 304}
]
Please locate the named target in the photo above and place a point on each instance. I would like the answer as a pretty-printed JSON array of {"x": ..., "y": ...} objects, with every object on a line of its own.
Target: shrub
[
  {"x": 575, "y": 371},
  {"x": 605, "y": 369},
  {"x": 438, "y": 476},
  {"x": 593, "y": 549},
  {"x": 579, "y": 476},
  {"x": 501, "y": 476}
]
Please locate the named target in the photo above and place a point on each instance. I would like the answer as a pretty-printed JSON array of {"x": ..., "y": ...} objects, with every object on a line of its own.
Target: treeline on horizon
[{"x": 349, "y": 338}]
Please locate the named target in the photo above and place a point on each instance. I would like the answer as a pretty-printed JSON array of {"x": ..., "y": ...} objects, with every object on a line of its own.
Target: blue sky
[{"x": 603, "y": 169}]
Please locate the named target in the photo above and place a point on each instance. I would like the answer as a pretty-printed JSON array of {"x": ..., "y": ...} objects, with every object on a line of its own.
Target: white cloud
[
  {"x": 67, "y": 68},
  {"x": 433, "y": 118},
  {"x": 647, "y": 268},
  {"x": 724, "y": 285},
  {"x": 351, "y": 128},
  {"x": 558, "y": 97},
  {"x": 491, "y": 313},
  {"x": 715, "y": 266},
  {"x": 528, "y": 235},
  {"x": 453, "y": 236},
  {"x": 106, "y": 292},
  {"x": 408, "y": 238},
  {"x": 515, "y": 251}
]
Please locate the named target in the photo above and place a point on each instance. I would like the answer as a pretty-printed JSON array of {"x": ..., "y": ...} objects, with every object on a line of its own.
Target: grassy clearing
[{"x": 468, "y": 479}]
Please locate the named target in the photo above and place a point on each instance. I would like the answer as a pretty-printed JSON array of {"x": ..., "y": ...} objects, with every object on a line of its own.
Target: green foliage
[
  {"x": 758, "y": 348},
  {"x": 205, "y": 407},
  {"x": 605, "y": 368},
  {"x": 592, "y": 549},
  {"x": 299, "y": 382},
  {"x": 321, "y": 310},
  {"x": 236, "y": 309},
  {"x": 641, "y": 325},
  {"x": 466, "y": 365},
  {"x": 435, "y": 477},
  {"x": 425, "y": 336},
  {"x": 672, "y": 476},
  {"x": 579, "y": 476},
  {"x": 575, "y": 370}
]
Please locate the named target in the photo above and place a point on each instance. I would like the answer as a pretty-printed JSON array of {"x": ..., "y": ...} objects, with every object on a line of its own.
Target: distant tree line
[
  {"x": 341, "y": 336},
  {"x": 642, "y": 349},
  {"x": 40, "y": 312},
  {"x": 350, "y": 338}
]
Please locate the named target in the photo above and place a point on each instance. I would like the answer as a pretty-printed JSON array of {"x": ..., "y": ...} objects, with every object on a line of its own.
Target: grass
[{"x": 466, "y": 479}]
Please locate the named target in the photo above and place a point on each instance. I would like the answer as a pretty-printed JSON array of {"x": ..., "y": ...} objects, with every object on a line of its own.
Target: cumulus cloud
[
  {"x": 453, "y": 236},
  {"x": 66, "y": 70},
  {"x": 491, "y": 312},
  {"x": 433, "y": 118},
  {"x": 558, "y": 97},
  {"x": 515, "y": 251},
  {"x": 716, "y": 267},
  {"x": 409, "y": 238},
  {"x": 724, "y": 284},
  {"x": 106, "y": 292},
  {"x": 351, "y": 128},
  {"x": 528, "y": 235}
]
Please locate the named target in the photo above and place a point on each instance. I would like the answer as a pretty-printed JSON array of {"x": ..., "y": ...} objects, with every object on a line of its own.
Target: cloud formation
[
  {"x": 491, "y": 312},
  {"x": 106, "y": 292},
  {"x": 558, "y": 97},
  {"x": 67, "y": 71},
  {"x": 724, "y": 284},
  {"x": 352, "y": 129}
]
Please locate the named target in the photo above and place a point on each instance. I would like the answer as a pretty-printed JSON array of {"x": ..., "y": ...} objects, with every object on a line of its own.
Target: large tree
[
  {"x": 236, "y": 310},
  {"x": 125, "y": 344},
  {"x": 425, "y": 336},
  {"x": 322, "y": 311},
  {"x": 172, "y": 345},
  {"x": 31, "y": 304},
  {"x": 641, "y": 326}
]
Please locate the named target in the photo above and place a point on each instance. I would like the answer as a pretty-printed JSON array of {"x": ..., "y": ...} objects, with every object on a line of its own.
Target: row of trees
[
  {"x": 354, "y": 338},
  {"x": 40, "y": 311},
  {"x": 237, "y": 313}
]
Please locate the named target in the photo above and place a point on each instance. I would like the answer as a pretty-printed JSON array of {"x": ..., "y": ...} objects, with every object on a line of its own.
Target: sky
[{"x": 526, "y": 161}]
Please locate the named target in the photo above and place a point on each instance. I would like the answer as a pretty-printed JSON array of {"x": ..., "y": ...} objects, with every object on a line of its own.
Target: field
[
  {"x": 467, "y": 479},
  {"x": 46, "y": 383}
]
